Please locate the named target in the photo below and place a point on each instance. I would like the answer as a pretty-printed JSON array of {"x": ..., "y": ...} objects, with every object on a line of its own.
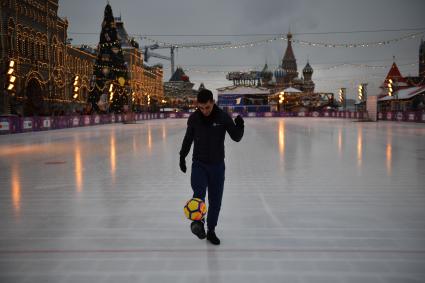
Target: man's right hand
[
  {"x": 239, "y": 121},
  {"x": 183, "y": 164}
]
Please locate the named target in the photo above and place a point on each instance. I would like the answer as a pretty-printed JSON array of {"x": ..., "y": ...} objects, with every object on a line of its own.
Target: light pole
[
  {"x": 390, "y": 87},
  {"x": 282, "y": 100},
  {"x": 132, "y": 101},
  {"x": 163, "y": 105},
  {"x": 362, "y": 96},
  {"x": 342, "y": 97},
  {"x": 10, "y": 86},
  {"x": 149, "y": 103}
]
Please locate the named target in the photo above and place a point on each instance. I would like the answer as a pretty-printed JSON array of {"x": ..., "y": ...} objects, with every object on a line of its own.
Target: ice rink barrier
[
  {"x": 408, "y": 116},
  {"x": 14, "y": 124}
]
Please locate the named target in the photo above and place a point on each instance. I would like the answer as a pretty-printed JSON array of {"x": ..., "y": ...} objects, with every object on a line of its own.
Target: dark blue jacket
[{"x": 207, "y": 134}]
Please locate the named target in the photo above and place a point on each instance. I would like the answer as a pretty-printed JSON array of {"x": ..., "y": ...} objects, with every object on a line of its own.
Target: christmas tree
[{"x": 110, "y": 70}]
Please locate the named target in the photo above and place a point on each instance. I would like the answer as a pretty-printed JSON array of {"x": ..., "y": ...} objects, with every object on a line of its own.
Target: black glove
[
  {"x": 239, "y": 121},
  {"x": 183, "y": 164}
]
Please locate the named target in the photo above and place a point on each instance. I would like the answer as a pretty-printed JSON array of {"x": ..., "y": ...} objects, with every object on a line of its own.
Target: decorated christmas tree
[{"x": 110, "y": 71}]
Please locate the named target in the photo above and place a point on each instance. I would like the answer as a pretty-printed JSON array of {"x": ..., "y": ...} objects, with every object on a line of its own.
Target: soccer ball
[{"x": 195, "y": 209}]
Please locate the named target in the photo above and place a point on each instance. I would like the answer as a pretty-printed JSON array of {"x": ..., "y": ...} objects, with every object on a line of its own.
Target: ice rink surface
[{"x": 305, "y": 200}]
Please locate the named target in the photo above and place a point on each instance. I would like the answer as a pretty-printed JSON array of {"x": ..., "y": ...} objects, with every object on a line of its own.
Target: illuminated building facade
[
  {"x": 35, "y": 39},
  {"x": 399, "y": 93},
  {"x": 145, "y": 81},
  {"x": 179, "y": 92},
  {"x": 51, "y": 77}
]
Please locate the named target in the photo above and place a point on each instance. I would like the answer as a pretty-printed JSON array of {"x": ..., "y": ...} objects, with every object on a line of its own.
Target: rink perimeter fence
[{"x": 14, "y": 124}]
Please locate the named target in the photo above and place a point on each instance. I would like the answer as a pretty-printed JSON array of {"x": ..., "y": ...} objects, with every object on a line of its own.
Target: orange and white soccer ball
[{"x": 195, "y": 209}]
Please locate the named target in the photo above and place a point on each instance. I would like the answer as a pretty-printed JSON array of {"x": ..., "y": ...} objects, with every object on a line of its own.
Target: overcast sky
[{"x": 192, "y": 21}]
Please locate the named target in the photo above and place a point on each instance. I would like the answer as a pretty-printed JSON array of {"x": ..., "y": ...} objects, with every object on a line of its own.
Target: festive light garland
[
  {"x": 338, "y": 66},
  {"x": 362, "y": 66},
  {"x": 116, "y": 42},
  {"x": 301, "y": 42},
  {"x": 51, "y": 78},
  {"x": 359, "y": 45}
]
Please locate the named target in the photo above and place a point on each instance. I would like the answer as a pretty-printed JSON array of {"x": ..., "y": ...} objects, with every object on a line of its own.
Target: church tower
[
  {"x": 266, "y": 76},
  {"x": 308, "y": 85},
  {"x": 289, "y": 63}
]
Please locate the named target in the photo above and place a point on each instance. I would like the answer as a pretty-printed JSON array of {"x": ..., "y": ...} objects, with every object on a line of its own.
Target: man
[{"x": 206, "y": 128}]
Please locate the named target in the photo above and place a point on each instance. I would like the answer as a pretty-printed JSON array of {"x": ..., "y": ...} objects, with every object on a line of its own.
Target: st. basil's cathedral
[{"x": 286, "y": 75}]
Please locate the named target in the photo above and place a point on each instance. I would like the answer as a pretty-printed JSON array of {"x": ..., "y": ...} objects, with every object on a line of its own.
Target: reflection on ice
[
  {"x": 339, "y": 141},
  {"x": 164, "y": 133},
  {"x": 149, "y": 139},
  {"x": 389, "y": 151},
  {"x": 134, "y": 145},
  {"x": 78, "y": 168},
  {"x": 282, "y": 137},
  {"x": 16, "y": 188},
  {"x": 113, "y": 155},
  {"x": 359, "y": 147}
]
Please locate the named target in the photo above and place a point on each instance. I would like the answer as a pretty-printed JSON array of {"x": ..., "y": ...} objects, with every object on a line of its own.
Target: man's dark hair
[{"x": 204, "y": 95}]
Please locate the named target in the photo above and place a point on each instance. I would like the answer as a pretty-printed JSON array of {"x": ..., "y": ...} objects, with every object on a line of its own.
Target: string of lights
[
  {"x": 256, "y": 43},
  {"x": 59, "y": 72},
  {"x": 344, "y": 65},
  {"x": 280, "y": 37},
  {"x": 362, "y": 44},
  {"x": 362, "y": 66},
  {"x": 264, "y": 34},
  {"x": 316, "y": 63}
]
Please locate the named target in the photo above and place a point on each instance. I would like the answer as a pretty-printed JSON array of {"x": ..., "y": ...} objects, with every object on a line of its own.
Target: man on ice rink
[{"x": 206, "y": 128}]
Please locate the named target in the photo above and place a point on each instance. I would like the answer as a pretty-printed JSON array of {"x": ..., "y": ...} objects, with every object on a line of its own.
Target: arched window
[
  {"x": 26, "y": 46},
  {"x": 43, "y": 52},
  {"x": 44, "y": 47},
  {"x": 32, "y": 48},
  {"x": 20, "y": 46},
  {"x": 39, "y": 54},
  {"x": 60, "y": 57},
  {"x": 53, "y": 48},
  {"x": 10, "y": 32},
  {"x": 9, "y": 42},
  {"x": 38, "y": 47}
]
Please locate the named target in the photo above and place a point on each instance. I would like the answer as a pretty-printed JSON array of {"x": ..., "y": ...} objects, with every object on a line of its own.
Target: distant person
[{"x": 206, "y": 128}]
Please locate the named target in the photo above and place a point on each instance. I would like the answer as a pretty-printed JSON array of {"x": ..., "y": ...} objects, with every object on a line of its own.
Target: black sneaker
[
  {"x": 212, "y": 237},
  {"x": 198, "y": 229}
]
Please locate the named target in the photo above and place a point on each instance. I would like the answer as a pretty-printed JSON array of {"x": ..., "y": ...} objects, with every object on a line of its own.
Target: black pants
[{"x": 209, "y": 176}]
